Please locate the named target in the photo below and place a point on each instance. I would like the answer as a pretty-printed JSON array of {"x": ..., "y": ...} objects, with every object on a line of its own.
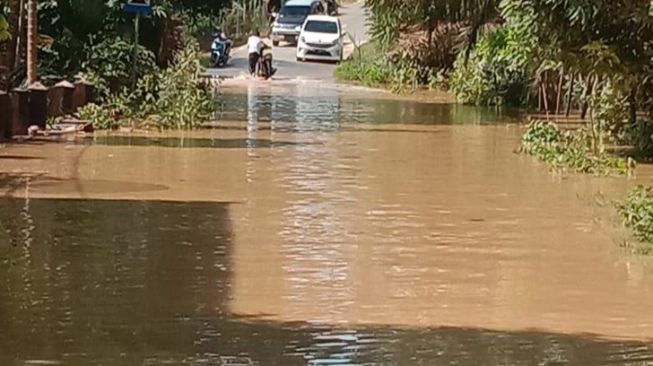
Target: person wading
[{"x": 254, "y": 46}]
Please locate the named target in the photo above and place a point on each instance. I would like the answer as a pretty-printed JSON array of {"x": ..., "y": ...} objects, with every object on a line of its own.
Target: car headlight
[{"x": 334, "y": 43}]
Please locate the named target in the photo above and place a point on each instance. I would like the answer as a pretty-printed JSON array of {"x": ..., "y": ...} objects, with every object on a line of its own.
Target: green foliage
[
  {"x": 108, "y": 64},
  {"x": 174, "y": 98},
  {"x": 370, "y": 67},
  {"x": 4, "y": 28},
  {"x": 184, "y": 100},
  {"x": 203, "y": 26},
  {"x": 102, "y": 117},
  {"x": 599, "y": 39},
  {"x": 367, "y": 73},
  {"x": 391, "y": 17},
  {"x": 637, "y": 213},
  {"x": 73, "y": 26},
  {"x": 541, "y": 140},
  {"x": 243, "y": 18},
  {"x": 609, "y": 117},
  {"x": 610, "y": 123},
  {"x": 572, "y": 150},
  {"x": 367, "y": 67},
  {"x": 96, "y": 36},
  {"x": 469, "y": 83},
  {"x": 385, "y": 28},
  {"x": 582, "y": 33},
  {"x": 423, "y": 37},
  {"x": 640, "y": 136},
  {"x": 497, "y": 71}
]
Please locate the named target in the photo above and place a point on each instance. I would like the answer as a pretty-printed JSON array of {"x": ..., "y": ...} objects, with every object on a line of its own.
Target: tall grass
[
  {"x": 238, "y": 21},
  {"x": 367, "y": 66},
  {"x": 243, "y": 18}
]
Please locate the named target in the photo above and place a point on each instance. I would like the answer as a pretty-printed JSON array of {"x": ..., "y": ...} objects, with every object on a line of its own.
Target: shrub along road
[{"x": 354, "y": 20}]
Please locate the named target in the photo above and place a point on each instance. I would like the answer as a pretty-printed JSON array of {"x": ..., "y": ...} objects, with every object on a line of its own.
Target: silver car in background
[{"x": 288, "y": 22}]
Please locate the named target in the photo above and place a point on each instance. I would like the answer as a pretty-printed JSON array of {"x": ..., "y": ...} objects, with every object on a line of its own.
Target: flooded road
[{"x": 342, "y": 227}]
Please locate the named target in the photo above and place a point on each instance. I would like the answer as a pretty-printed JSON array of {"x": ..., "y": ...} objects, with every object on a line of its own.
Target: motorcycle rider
[
  {"x": 332, "y": 7},
  {"x": 221, "y": 37}
]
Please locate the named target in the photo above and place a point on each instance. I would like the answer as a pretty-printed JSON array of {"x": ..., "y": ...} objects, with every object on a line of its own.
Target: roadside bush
[
  {"x": 370, "y": 66},
  {"x": 469, "y": 84},
  {"x": 640, "y": 137},
  {"x": 108, "y": 64},
  {"x": 175, "y": 97},
  {"x": 569, "y": 150},
  {"x": 102, "y": 117},
  {"x": 496, "y": 72},
  {"x": 611, "y": 122},
  {"x": 609, "y": 118},
  {"x": 637, "y": 213},
  {"x": 541, "y": 140},
  {"x": 367, "y": 67},
  {"x": 184, "y": 100}
]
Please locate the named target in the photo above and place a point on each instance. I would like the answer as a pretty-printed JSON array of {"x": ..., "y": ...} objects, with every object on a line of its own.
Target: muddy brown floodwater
[{"x": 316, "y": 225}]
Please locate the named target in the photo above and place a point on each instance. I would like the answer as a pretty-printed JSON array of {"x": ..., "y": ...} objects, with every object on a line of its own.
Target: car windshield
[
  {"x": 295, "y": 11},
  {"x": 321, "y": 27}
]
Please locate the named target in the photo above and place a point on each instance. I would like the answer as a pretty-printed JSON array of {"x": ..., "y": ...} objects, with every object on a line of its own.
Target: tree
[
  {"x": 606, "y": 42},
  {"x": 32, "y": 41},
  {"x": 391, "y": 17}
]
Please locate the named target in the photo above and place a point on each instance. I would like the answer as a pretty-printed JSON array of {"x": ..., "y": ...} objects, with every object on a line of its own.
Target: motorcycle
[
  {"x": 265, "y": 68},
  {"x": 220, "y": 50},
  {"x": 332, "y": 7}
]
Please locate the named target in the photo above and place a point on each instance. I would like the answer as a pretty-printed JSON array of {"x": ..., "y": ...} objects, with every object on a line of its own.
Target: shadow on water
[
  {"x": 90, "y": 282},
  {"x": 13, "y": 184},
  {"x": 332, "y": 111},
  {"x": 20, "y": 157},
  {"x": 177, "y": 142}
]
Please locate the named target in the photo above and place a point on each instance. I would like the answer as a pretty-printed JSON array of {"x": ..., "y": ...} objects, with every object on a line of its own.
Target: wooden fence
[{"x": 21, "y": 108}]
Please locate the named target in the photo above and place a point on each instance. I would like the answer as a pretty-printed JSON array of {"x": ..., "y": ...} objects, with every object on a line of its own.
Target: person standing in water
[{"x": 254, "y": 46}]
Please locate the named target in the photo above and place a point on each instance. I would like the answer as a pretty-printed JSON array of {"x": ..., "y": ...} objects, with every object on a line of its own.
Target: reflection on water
[
  {"x": 329, "y": 110},
  {"x": 149, "y": 283},
  {"x": 181, "y": 142}
]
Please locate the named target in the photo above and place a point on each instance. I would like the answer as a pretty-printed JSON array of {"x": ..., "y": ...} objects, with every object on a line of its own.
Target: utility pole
[
  {"x": 137, "y": 7},
  {"x": 135, "y": 55},
  {"x": 32, "y": 40}
]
